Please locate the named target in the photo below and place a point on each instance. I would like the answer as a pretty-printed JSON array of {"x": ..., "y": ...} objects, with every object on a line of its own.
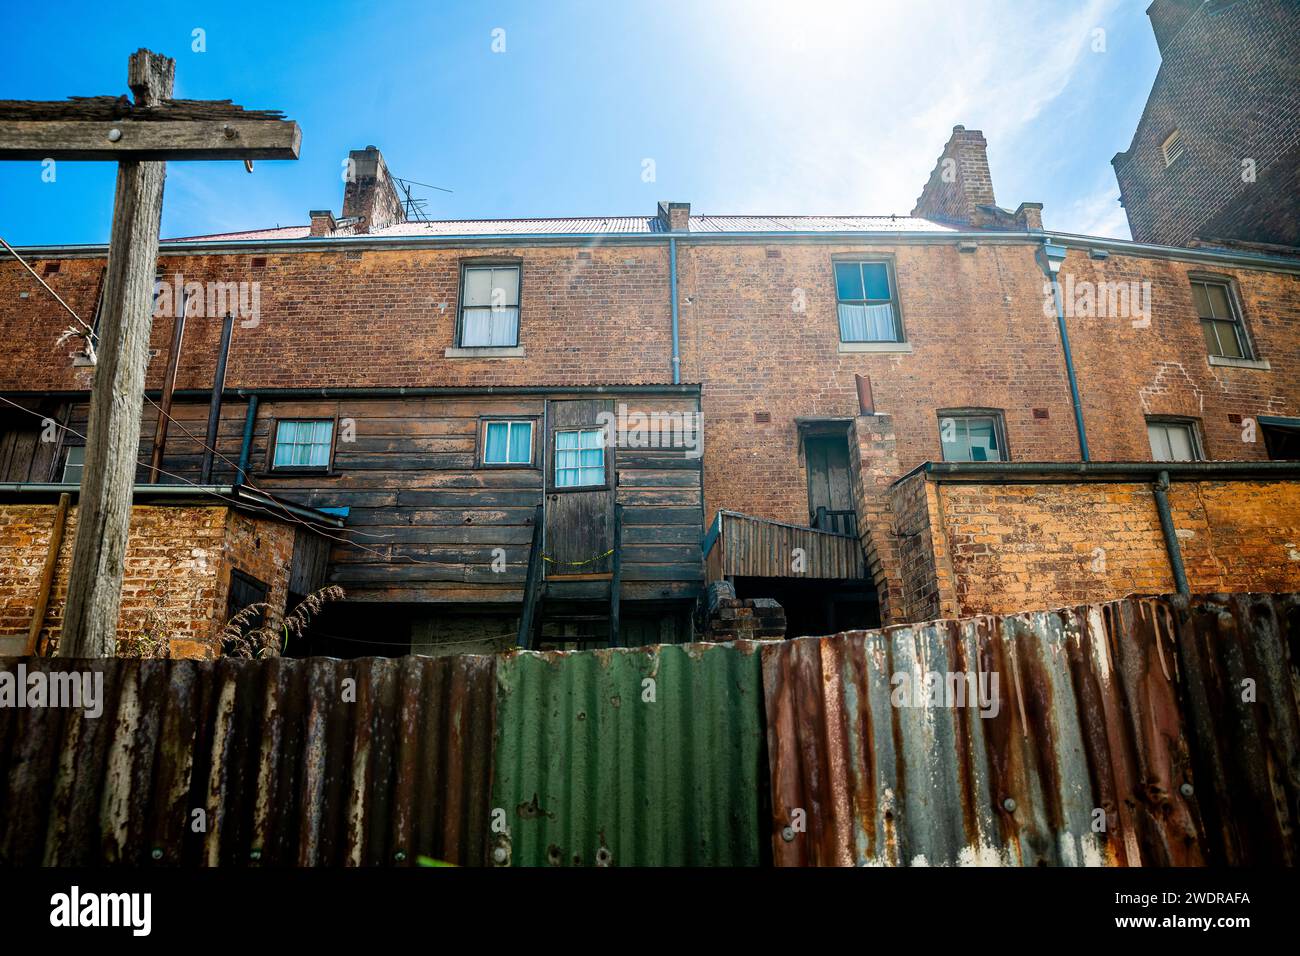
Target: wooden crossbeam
[{"x": 163, "y": 139}]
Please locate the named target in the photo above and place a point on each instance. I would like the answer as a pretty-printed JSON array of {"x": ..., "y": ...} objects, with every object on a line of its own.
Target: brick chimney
[
  {"x": 960, "y": 189},
  {"x": 1168, "y": 16},
  {"x": 674, "y": 216},
  {"x": 961, "y": 181},
  {"x": 322, "y": 223},
  {"x": 370, "y": 195}
]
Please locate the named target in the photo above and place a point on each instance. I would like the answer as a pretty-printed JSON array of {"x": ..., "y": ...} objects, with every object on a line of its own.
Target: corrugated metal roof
[
  {"x": 645, "y": 757},
  {"x": 1115, "y": 735},
  {"x": 287, "y": 769},
  {"x": 607, "y": 225}
]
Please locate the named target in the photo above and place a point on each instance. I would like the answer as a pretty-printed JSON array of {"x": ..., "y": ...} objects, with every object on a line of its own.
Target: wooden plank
[
  {"x": 47, "y": 573},
  {"x": 616, "y": 580},
  {"x": 149, "y": 140},
  {"x": 532, "y": 583}
]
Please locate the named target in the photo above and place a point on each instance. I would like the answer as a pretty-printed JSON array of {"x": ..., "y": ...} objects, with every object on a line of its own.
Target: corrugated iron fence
[{"x": 1151, "y": 731}]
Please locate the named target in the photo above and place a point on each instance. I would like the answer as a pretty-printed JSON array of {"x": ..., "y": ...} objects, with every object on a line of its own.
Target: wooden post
[
  {"x": 113, "y": 438},
  {"x": 616, "y": 583},
  {"x": 533, "y": 584},
  {"x": 47, "y": 573}
]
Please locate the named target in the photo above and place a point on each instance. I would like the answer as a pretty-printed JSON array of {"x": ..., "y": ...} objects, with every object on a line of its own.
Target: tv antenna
[{"x": 415, "y": 206}]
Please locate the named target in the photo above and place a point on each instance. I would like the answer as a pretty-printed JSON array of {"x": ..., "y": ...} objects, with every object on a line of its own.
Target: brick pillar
[{"x": 875, "y": 467}]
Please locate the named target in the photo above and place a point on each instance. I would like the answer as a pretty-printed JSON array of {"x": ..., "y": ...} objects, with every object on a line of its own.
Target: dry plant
[{"x": 270, "y": 640}]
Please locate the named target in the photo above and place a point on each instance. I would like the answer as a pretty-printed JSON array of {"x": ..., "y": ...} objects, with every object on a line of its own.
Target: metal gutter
[
  {"x": 246, "y": 445},
  {"x": 1058, "y": 471},
  {"x": 672, "y": 282},
  {"x": 1285, "y": 264},
  {"x": 397, "y": 391}
]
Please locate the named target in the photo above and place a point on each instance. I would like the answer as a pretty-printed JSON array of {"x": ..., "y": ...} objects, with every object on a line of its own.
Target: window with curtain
[
  {"x": 971, "y": 437},
  {"x": 303, "y": 444},
  {"x": 865, "y": 300},
  {"x": 489, "y": 307},
  {"x": 508, "y": 443},
  {"x": 1220, "y": 322},
  {"x": 579, "y": 457},
  {"x": 1173, "y": 441}
]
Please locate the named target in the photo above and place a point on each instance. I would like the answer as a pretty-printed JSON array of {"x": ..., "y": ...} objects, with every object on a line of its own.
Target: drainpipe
[
  {"x": 1050, "y": 257},
  {"x": 672, "y": 280},
  {"x": 246, "y": 447},
  {"x": 1175, "y": 550},
  {"x": 214, "y": 407}
]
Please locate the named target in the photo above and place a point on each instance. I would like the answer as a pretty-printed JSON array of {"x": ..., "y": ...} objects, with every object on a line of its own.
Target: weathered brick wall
[
  {"x": 1000, "y": 548},
  {"x": 178, "y": 563},
  {"x": 1227, "y": 83}
]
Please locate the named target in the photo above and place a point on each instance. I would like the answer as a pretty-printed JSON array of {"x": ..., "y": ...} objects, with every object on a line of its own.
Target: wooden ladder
[{"x": 537, "y": 584}]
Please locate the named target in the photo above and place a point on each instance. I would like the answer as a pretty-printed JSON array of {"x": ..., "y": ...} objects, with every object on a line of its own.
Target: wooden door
[
  {"x": 828, "y": 474},
  {"x": 579, "y": 510}
]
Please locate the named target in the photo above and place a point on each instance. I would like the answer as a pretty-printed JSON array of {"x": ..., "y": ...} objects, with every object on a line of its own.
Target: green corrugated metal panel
[{"x": 630, "y": 757}]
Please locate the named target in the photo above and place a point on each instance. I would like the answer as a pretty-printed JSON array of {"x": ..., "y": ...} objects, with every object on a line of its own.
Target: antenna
[{"x": 415, "y": 207}]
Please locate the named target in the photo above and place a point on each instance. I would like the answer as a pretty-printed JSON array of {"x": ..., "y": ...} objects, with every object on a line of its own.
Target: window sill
[
  {"x": 486, "y": 352},
  {"x": 1261, "y": 364},
  {"x": 875, "y": 346}
]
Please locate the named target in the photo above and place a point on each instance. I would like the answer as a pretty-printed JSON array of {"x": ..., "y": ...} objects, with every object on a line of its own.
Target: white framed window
[
  {"x": 1172, "y": 148},
  {"x": 968, "y": 436},
  {"x": 865, "y": 301},
  {"x": 73, "y": 464},
  {"x": 489, "y": 306},
  {"x": 303, "y": 444},
  {"x": 507, "y": 443},
  {"x": 1220, "y": 321},
  {"x": 1173, "y": 441},
  {"x": 579, "y": 457}
]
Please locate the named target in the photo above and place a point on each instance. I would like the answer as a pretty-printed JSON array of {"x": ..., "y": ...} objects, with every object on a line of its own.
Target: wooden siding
[
  {"x": 424, "y": 520},
  {"x": 745, "y": 546}
]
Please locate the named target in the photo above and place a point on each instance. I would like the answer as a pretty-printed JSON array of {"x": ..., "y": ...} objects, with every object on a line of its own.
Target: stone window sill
[
  {"x": 493, "y": 352},
  {"x": 875, "y": 346},
  {"x": 1261, "y": 364}
]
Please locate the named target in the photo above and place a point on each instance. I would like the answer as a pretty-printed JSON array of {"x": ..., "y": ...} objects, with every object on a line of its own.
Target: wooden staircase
[{"x": 570, "y": 589}]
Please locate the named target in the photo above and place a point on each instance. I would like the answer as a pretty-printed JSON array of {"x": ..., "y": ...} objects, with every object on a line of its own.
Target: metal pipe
[
  {"x": 1107, "y": 470},
  {"x": 214, "y": 406},
  {"x": 672, "y": 281},
  {"x": 1050, "y": 258},
  {"x": 246, "y": 446},
  {"x": 169, "y": 389},
  {"x": 866, "y": 401},
  {"x": 1161, "y": 489}
]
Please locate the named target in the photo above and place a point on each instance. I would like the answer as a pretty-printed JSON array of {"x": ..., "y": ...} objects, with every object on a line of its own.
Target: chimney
[
  {"x": 1167, "y": 18},
  {"x": 322, "y": 223},
  {"x": 370, "y": 195},
  {"x": 674, "y": 216},
  {"x": 960, "y": 183}
]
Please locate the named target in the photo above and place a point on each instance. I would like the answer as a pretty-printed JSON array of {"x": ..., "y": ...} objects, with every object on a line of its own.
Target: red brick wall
[
  {"x": 977, "y": 548},
  {"x": 1227, "y": 83},
  {"x": 177, "y": 576}
]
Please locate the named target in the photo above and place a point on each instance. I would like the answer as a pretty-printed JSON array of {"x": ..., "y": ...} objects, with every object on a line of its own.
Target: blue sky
[{"x": 747, "y": 107}]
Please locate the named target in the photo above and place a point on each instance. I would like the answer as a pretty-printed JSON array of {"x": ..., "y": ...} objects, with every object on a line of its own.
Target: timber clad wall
[
  {"x": 178, "y": 566},
  {"x": 974, "y": 547}
]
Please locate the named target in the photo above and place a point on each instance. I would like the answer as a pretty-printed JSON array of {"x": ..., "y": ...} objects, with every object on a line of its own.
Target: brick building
[
  {"x": 1216, "y": 155},
  {"x": 505, "y": 415}
]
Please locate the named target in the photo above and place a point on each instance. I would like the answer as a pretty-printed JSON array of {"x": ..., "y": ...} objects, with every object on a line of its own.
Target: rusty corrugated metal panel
[
  {"x": 287, "y": 768},
  {"x": 590, "y": 771},
  {"x": 1126, "y": 712},
  {"x": 760, "y": 547}
]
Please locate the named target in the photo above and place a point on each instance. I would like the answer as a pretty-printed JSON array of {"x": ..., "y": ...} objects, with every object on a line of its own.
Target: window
[
  {"x": 1172, "y": 148},
  {"x": 489, "y": 307},
  {"x": 303, "y": 445},
  {"x": 507, "y": 443},
  {"x": 579, "y": 458},
  {"x": 1220, "y": 322},
  {"x": 73, "y": 464},
  {"x": 865, "y": 298},
  {"x": 246, "y": 590},
  {"x": 1281, "y": 438},
  {"x": 967, "y": 436},
  {"x": 1173, "y": 441}
]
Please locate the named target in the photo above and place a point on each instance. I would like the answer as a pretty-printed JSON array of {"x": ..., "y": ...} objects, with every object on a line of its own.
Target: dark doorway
[
  {"x": 579, "y": 489},
  {"x": 817, "y": 607},
  {"x": 830, "y": 494}
]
